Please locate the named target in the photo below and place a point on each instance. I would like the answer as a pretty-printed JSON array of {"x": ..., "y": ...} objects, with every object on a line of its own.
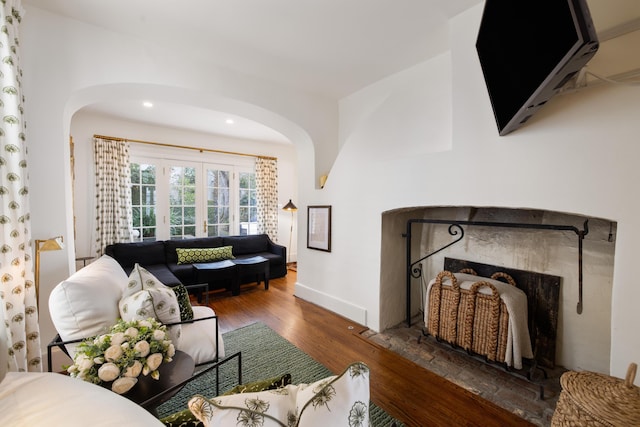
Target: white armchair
[
  {"x": 30, "y": 399},
  {"x": 86, "y": 305}
]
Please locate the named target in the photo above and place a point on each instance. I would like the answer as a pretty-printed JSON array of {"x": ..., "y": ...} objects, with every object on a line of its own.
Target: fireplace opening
[{"x": 583, "y": 339}]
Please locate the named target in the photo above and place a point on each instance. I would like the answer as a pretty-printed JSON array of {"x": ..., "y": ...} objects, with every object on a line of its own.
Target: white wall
[
  {"x": 577, "y": 155},
  {"x": 68, "y": 65},
  {"x": 85, "y": 124}
]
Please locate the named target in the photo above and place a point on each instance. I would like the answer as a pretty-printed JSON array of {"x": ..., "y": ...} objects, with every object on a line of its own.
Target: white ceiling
[{"x": 331, "y": 47}]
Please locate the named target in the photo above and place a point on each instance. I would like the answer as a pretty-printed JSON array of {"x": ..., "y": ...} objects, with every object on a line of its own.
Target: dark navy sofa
[{"x": 161, "y": 259}]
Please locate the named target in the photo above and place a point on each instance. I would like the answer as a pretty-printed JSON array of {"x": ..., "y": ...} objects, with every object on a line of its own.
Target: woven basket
[
  {"x": 469, "y": 319},
  {"x": 594, "y": 400}
]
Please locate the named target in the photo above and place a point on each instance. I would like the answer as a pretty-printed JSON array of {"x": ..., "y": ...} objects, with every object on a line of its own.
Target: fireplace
[{"x": 583, "y": 339}]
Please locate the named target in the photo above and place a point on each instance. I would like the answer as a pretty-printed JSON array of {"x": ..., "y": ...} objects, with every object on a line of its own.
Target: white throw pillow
[
  {"x": 145, "y": 297},
  {"x": 334, "y": 401}
]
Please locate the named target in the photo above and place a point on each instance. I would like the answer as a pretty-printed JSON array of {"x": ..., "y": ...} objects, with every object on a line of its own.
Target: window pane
[
  {"x": 248, "y": 203},
  {"x": 149, "y": 233},
  {"x": 189, "y": 176},
  {"x": 175, "y": 196},
  {"x": 223, "y": 196},
  {"x": 212, "y": 215},
  {"x": 135, "y": 210},
  {"x": 190, "y": 196},
  {"x": 182, "y": 201},
  {"x": 175, "y": 176},
  {"x": 244, "y": 214},
  {"x": 189, "y": 216},
  {"x": 223, "y": 215},
  {"x": 212, "y": 178},
  {"x": 135, "y": 195},
  {"x": 135, "y": 173},
  {"x": 223, "y": 177},
  {"x": 148, "y": 174},
  {"x": 143, "y": 201},
  {"x": 175, "y": 215},
  {"x": 217, "y": 201},
  {"x": 244, "y": 181},
  {"x": 149, "y": 217}
]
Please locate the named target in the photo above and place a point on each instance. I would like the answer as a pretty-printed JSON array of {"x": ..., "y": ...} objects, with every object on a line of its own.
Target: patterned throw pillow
[
  {"x": 334, "y": 401},
  {"x": 187, "y": 419},
  {"x": 184, "y": 303},
  {"x": 145, "y": 296},
  {"x": 194, "y": 255}
]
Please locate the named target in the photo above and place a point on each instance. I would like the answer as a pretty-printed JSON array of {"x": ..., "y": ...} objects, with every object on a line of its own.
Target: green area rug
[{"x": 265, "y": 354}]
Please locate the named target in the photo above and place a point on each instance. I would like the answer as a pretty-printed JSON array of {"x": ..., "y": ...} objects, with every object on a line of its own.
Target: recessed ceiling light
[
  {"x": 229, "y": 121},
  {"x": 147, "y": 104}
]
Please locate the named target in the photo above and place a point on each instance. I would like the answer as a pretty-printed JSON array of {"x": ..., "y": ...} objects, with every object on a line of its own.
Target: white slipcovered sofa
[{"x": 89, "y": 303}]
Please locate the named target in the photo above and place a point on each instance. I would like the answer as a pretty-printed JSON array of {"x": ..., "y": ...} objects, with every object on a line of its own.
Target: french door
[{"x": 194, "y": 199}]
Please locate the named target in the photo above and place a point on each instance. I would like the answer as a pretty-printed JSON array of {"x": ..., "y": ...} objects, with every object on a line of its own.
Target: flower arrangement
[{"x": 120, "y": 356}]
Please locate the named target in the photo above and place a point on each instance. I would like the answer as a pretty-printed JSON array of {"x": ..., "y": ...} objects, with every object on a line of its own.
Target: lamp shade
[
  {"x": 290, "y": 206},
  {"x": 53, "y": 244}
]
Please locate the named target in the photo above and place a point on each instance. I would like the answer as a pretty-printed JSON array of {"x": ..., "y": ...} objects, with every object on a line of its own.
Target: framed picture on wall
[{"x": 319, "y": 228}]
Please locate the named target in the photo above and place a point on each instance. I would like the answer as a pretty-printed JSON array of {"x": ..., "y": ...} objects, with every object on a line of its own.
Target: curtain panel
[
  {"x": 19, "y": 321},
  {"x": 267, "y": 196},
  {"x": 113, "y": 212}
]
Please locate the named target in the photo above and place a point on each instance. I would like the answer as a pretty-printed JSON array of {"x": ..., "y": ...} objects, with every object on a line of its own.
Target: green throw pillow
[
  {"x": 187, "y": 419},
  {"x": 194, "y": 255},
  {"x": 184, "y": 303}
]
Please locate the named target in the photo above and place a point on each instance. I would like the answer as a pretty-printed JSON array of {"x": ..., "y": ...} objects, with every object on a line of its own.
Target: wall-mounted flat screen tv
[{"x": 528, "y": 50}]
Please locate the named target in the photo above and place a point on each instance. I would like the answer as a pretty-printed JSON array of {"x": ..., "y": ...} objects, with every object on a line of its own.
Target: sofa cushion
[
  {"x": 50, "y": 399},
  {"x": 145, "y": 296},
  {"x": 143, "y": 253},
  {"x": 247, "y": 244},
  {"x": 198, "y": 339},
  {"x": 333, "y": 401},
  {"x": 163, "y": 274},
  {"x": 194, "y": 255},
  {"x": 184, "y": 272},
  {"x": 86, "y": 304},
  {"x": 170, "y": 246}
]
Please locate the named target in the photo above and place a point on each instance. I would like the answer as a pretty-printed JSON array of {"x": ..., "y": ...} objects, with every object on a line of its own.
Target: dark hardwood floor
[{"x": 402, "y": 388}]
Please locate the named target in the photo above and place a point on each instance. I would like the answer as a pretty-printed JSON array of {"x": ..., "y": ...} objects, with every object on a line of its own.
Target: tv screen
[{"x": 528, "y": 50}]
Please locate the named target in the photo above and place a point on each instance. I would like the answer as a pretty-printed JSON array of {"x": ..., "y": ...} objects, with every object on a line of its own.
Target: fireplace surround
[{"x": 584, "y": 339}]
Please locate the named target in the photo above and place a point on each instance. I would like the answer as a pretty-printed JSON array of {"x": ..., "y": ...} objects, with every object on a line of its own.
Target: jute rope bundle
[
  {"x": 594, "y": 400},
  {"x": 470, "y": 319}
]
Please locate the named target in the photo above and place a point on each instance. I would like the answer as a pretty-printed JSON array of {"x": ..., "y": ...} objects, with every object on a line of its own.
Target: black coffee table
[
  {"x": 150, "y": 393},
  {"x": 257, "y": 265},
  {"x": 210, "y": 272}
]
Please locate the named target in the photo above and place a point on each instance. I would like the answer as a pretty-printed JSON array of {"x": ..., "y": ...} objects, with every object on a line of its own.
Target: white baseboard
[{"x": 341, "y": 307}]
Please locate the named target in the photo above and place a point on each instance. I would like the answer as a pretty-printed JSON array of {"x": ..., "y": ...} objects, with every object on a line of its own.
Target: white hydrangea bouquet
[{"x": 120, "y": 356}]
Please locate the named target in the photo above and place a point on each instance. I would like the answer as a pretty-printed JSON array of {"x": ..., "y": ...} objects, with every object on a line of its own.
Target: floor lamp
[
  {"x": 53, "y": 244},
  {"x": 291, "y": 208}
]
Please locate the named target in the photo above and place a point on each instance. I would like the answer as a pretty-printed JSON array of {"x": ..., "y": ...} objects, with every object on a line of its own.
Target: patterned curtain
[
  {"x": 267, "y": 196},
  {"x": 114, "y": 219},
  {"x": 17, "y": 289}
]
